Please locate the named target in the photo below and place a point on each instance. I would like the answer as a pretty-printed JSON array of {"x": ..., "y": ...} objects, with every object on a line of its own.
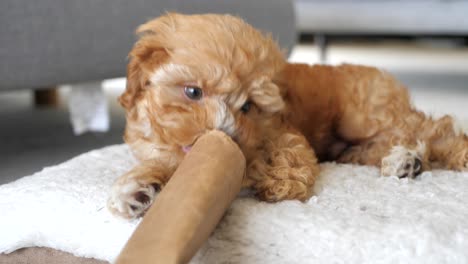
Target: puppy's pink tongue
[{"x": 186, "y": 149}]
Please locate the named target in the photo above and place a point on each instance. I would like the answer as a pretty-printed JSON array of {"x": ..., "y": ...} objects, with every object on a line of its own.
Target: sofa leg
[
  {"x": 322, "y": 42},
  {"x": 46, "y": 97}
]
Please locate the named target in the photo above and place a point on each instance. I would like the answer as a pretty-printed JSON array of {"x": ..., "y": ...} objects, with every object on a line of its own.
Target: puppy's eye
[
  {"x": 246, "y": 107},
  {"x": 193, "y": 92}
]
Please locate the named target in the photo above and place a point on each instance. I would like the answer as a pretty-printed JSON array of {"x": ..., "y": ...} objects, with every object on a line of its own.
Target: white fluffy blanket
[{"x": 356, "y": 216}]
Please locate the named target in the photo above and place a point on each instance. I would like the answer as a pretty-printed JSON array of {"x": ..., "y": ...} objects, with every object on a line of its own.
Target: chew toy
[{"x": 191, "y": 204}]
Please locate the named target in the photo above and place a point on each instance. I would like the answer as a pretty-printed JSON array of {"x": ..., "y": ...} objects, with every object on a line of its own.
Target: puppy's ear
[
  {"x": 267, "y": 96},
  {"x": 144, "y": 60},
  {"x": 135, "y": 85},
  {"x": 147, "y": 55}
]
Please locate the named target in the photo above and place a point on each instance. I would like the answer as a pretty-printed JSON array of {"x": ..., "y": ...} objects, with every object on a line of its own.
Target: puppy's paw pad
[
  {"x": 402, "y": 163},
  {"x": 131, "y": 199}
]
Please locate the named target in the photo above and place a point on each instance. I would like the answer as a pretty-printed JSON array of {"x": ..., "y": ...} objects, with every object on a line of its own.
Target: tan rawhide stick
[{"x": 190, "y": 206}]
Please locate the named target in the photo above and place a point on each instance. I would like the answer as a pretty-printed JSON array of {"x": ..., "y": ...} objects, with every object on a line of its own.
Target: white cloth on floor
[
  {"x": 87, "y": 103},
  {"x": 356, "y": 216}
]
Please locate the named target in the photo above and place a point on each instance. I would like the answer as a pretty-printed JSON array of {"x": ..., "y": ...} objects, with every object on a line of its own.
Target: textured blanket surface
[{"x": 356, "y": 216}]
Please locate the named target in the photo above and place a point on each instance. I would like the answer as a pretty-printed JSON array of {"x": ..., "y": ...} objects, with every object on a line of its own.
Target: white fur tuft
[{"x": 224, "y": 120}]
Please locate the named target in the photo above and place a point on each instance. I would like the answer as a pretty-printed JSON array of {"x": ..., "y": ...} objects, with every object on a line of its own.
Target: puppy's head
[{"x": 192, "y": 74}]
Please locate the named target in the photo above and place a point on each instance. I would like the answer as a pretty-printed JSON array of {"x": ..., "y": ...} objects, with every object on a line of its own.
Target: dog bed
[{"x": 356, "y": 216}]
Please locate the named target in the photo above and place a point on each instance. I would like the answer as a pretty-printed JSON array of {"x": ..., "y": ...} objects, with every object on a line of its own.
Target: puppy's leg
[
  {"x": 380, "y": 124},
  {"x": 449, "y": 145},
  {"x": 411, "y": 145},
  {"x": 398, "y": 157},
  {"x": 443, "y": 145},
  {"x": 453, "y": 155},
  {"x": 285, "y": 169},
  {"x": 133, "y": 193}
]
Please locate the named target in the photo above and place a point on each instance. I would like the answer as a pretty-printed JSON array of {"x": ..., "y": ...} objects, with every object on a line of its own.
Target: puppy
[{"x": 191, "y": 74}]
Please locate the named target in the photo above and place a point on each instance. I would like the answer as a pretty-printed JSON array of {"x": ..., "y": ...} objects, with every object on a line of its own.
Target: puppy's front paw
[
  {"x": 402, "y": 163},
  {"x": 130, "y": 198},
  {"x": 278, "y": 190}
]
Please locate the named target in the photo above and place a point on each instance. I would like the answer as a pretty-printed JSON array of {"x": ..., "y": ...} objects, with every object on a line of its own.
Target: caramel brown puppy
[{"x": 191, "y": 74}]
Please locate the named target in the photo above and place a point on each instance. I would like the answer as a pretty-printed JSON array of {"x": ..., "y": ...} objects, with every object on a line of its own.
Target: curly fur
[{"x": 300, "y": 114}]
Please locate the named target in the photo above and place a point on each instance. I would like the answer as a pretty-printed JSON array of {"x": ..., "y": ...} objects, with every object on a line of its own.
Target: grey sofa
[
  {"x": 381, "y": 17},
  {"x": 400, "y": 17},
  {"x": 50, "y": 42}
]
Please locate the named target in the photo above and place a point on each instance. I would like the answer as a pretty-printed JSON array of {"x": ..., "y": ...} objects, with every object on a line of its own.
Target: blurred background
[{"x": 58, "y": 56}]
